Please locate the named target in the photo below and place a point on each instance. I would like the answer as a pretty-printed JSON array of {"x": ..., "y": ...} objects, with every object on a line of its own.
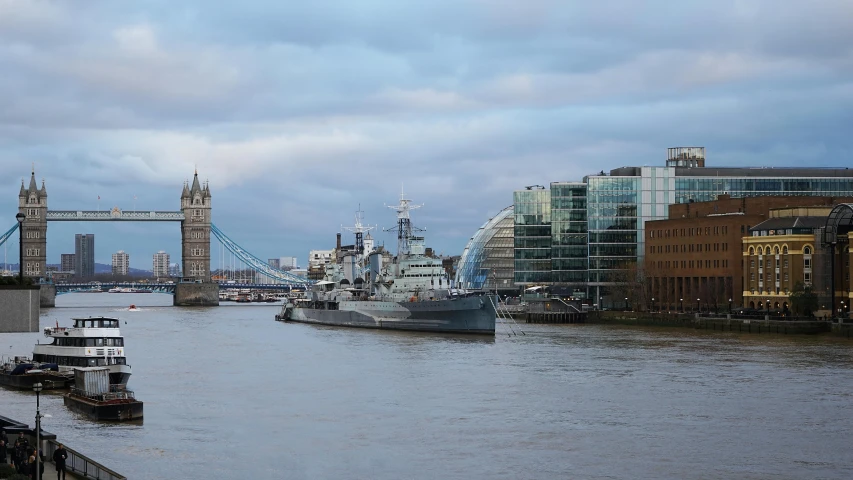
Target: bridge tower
[
  {"x": 195, "y": 231},
  {"x": 32, "y": 202}
]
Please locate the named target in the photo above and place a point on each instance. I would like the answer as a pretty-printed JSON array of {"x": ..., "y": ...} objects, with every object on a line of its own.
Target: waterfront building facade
[
  {"x": 787, "y": 249},
  {"x": 121, "y": 263},
  {"x": 84, "y": 255},
  {"x": 160, "y": 264},
  {"x": 697, "y": 253},
  {"x": 619, "y": 204},
  {"x": 487, "y": 261}
]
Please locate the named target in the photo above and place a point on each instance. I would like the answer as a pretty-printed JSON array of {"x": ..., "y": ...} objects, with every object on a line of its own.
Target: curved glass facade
[{"x": 487, "y": 261}]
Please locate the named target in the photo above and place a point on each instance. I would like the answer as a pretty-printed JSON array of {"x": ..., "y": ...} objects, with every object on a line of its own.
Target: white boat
[{"x": 91, "y": 342}]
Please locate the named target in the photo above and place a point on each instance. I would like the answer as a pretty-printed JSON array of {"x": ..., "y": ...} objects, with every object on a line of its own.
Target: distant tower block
[
  {"x": 32, "y": 202},
  {"x": 195, "y": 230}
]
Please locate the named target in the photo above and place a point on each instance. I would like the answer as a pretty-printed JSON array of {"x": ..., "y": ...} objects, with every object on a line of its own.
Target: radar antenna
[{"x": 404, "y": 226}]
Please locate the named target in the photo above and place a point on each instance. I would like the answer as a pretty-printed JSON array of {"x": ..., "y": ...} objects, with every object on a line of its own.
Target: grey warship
[{"x": 411, "y": 293}]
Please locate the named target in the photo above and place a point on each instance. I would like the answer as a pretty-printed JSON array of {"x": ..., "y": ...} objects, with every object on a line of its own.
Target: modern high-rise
[
  {"x": 581, "y": 234},
  {"x": 84, "y": 255},
  {"x": 286, "y": 263},
  {"x": 160, "y": 265},
  {"x": 66, "y": 262},
  {"x": 121, "y": 263}
]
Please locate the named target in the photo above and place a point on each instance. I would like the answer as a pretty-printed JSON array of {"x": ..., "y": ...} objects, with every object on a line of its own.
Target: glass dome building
[{"x": 488, "y": 260}]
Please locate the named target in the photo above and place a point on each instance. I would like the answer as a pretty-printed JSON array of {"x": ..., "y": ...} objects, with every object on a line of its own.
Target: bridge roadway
[{"x": 164, "y": 287}]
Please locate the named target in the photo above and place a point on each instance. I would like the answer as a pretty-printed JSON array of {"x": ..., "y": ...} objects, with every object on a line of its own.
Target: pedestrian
[
  {"x": 3, "y": 441},
  {"x": 21, "y": 445},
  {"x": 59, "y": 457}
]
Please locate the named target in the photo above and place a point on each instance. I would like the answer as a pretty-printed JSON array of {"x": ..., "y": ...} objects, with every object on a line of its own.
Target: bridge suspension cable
[
  {"x": 8, "y": 234},
  {"x": 256, "y": 263}
]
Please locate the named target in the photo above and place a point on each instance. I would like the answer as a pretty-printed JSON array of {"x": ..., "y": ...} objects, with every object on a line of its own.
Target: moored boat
[
  {"x": 412, "y": 293},
  {"x": 91, "y": 342},
  {"x": 93, "y": 396},
  {"x": 23, "y": 373}
]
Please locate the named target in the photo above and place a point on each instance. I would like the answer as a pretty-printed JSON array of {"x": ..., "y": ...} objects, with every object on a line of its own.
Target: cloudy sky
[{"x": 297, "y": 112}]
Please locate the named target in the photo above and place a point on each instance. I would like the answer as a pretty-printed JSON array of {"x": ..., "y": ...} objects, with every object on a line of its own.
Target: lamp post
[
  {"x": 626, "y": 304},
  {"x": 37, "y": 388},
  {"x": 20, "y": 218},
  {"x": 697, "y": 304},
  {"x": 681, "y": 304},
  {"x": 653, "y": 304},
  {"x": 730, "y": 305},
  {"x": 601, "y": 303}
]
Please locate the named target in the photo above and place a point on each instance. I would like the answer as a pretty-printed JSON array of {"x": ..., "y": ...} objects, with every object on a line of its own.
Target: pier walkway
[{"x": 78, "y": 466}]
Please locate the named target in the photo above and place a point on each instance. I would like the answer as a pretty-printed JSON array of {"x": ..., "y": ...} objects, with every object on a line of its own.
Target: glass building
[
  {"x": 487, "y": 261},
  {"x": 552, "y": 244},
  {"x": 532, "y": 235}
]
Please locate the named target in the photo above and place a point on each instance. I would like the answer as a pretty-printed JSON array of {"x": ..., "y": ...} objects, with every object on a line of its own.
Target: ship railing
[
  {"x": 81, "y": 465},
  {"x": 103, "y": 397}
]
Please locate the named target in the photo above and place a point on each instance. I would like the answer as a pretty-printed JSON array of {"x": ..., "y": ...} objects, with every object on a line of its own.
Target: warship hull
[{"x": 475, "y": 315}]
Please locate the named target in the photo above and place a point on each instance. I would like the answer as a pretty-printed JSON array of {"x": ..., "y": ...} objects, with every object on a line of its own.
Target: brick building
[{"x": 695, "y": 258}]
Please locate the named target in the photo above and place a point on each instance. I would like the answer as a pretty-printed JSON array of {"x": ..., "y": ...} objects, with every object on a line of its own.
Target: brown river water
[{"x": 231, "y": 393}]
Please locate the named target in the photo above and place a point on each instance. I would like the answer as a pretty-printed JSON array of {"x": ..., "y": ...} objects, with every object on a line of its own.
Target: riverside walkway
[{"x": 77, "y": 466}]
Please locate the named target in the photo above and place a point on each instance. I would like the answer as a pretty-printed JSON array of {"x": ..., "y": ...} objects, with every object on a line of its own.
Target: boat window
[
  {"x": 90, "y": 342},
  {"x": 121, "y": 361},
  {"x": 99, "y": 342},
  {"x": 119, "y": 342},
  {"x": 90, "y": 323},
  {"x": 102, "y": 362},
  {"x": 92, "y": 362},
  {"x": 110, "y": 342}
]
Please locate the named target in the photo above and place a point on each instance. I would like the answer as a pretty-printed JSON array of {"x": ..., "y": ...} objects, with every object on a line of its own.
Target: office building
[
  {"x": 698, "y": 252},
  {"x": 288, "y": 263},
  {"x": 121, "y": 263},
  {"x": 66, "y": 262},
  {"x": 274, "y": 263},
  {"x": 160, "y": 264},
  {"x": 84, "y": 255},
  {"x": 615, "y": 207}
]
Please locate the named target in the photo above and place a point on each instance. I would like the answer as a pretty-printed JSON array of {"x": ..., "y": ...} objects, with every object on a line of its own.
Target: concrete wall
[
  {"x": 196, "y": 295},
  {"x": 47, "y": 298},
  {"x": 722, "y": 323},
  {"x": 19, "y": 308}
]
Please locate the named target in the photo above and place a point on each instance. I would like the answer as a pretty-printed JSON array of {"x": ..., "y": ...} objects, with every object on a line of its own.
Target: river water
[{"x": 231, "y": 393}]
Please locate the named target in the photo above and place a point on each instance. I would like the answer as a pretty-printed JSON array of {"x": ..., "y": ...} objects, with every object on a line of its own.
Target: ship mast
[
  {"x": 359, "y": 229},
  {"x": 404, "y": 226}
]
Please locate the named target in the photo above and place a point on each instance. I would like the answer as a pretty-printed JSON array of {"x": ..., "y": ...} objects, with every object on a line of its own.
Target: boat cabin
[{"x": 96, "y": 323}]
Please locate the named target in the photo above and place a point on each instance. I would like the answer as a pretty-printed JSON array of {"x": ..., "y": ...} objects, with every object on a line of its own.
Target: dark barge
[
  {"x": 94, "y": 397},
  {"x": 23, "y": 374}
]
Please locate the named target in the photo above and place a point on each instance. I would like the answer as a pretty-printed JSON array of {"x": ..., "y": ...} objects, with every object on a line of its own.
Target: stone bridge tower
[
  {"x": 32, "y": 202},
  {"x": 195, "y": 231}
]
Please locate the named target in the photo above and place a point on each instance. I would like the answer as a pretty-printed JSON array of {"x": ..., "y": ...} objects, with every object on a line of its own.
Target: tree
[{"x": 803, "y": 300}]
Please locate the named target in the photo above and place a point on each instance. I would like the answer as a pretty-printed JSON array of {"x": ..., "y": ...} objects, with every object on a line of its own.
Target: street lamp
[
  {"x": 730, "y": 305},
  {"x": 653, "y": 304},
  {"x": 20, "y": 218},
  {"x": 37, "y": 388},
  {"x": 681, "y": 304},
  {"x": 697, "y": 304},
  {"x": 626, "y": 304}
]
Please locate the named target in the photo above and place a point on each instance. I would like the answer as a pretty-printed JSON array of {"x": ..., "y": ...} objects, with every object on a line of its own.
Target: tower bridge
[{"x": 194, "y": 215}]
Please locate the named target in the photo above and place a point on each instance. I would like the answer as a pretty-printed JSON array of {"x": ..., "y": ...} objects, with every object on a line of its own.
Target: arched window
[
  {"x": 760, "y": 250},
  {"x": 776, "y": 250},
  {"x": 785, "y": 249},
  {"x": 807, "y": 250},
  {"x": 751, "y": 251}
]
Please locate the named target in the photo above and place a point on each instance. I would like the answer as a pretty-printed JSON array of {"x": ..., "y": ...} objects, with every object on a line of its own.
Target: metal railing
[
  {"x": 105, "y": 397},
  {"x": 81, "y": 465}
]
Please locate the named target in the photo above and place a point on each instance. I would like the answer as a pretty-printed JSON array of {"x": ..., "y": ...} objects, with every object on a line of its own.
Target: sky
[{"x": 297, "y": 113}]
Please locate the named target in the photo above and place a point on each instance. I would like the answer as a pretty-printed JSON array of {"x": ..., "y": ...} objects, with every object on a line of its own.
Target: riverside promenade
[
  {"x": 78, "y": 466},
  {"x": 761, "y": 325}
]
